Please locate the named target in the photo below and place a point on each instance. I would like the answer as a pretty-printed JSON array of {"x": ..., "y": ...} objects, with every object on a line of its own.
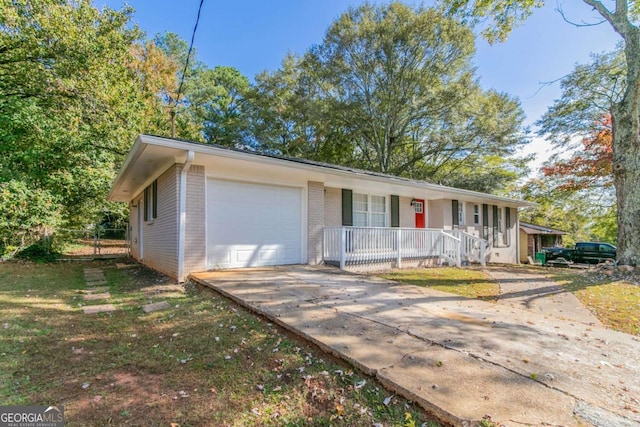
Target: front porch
[{"x": 345, "y": 246}]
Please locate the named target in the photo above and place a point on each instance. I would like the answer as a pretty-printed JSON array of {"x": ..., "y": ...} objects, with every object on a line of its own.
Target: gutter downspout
[{"x": 182, "y": 212}]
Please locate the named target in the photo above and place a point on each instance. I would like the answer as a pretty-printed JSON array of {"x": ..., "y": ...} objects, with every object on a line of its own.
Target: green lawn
[
  {"x": 204, "y": 361},
  {"x": 471, "y": 283}
]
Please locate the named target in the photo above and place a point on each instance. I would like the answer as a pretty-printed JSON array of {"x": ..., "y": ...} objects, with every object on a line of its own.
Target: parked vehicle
[{"x": 583, "y": 252}]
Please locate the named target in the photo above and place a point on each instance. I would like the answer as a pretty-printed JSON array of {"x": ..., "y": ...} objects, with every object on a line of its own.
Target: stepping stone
[
  {"x": 90, "y": 277},
  {"x": 97, "y": 289},
  {"x": 96, "y": 283},
  {"x": 104, "y": 308},
  {"x": 121, "y": 266},
  {"x": 92, "y": 270},
  {"x": 162, "y": 305},
  {"x": 94, "y": 297}
]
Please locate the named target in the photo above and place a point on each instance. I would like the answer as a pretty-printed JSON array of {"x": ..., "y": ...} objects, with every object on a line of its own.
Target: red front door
[{"x": 418, "y": 206}]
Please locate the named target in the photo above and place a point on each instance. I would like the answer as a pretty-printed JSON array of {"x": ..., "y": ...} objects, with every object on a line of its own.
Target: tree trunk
[{"x": 626, "y": 157}]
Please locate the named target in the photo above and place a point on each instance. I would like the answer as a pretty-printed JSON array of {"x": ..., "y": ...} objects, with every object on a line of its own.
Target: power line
[{"x": 186, "y": 65}]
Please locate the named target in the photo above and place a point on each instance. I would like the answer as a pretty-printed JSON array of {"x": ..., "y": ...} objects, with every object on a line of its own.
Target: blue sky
[{"x": 254, "y": 35}]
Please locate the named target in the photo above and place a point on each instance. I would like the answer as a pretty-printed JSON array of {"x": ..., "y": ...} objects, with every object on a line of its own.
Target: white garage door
[{"x": 251, "y": 225}]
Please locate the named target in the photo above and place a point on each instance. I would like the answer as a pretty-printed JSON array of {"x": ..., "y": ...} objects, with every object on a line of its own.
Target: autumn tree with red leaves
[
  {"x": 499, "y": 17},
  {"x": 588, "y": 168}
]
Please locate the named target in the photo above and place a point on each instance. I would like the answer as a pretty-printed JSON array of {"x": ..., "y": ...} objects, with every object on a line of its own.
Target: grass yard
[
  {"x": 467, "y": 282},
  {"x": 615, "y": 301},
  {"x": 203, "y": 361}
]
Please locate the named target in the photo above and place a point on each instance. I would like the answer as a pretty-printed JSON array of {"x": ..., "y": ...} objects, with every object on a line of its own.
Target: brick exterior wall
[
  {"x": 333, "y": 207},
  {"x": 407, "y": 213},
  {"x": 195, "y": 249},
  {"x": 315, "y": 221}
]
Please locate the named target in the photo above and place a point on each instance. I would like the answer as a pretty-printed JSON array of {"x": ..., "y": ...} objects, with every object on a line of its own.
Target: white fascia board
[
  {"x": 134, "y": 153},
  {"x": 325, "y": 170}
]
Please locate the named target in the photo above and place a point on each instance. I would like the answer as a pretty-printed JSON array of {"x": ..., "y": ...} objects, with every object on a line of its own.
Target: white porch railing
[
  {"x": 361, "y": 245},
  {"x": 473, "y": 248}
]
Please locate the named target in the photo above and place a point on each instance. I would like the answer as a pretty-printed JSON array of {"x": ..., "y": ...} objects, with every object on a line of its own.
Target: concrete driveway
[{"x": 459, "y": 358}]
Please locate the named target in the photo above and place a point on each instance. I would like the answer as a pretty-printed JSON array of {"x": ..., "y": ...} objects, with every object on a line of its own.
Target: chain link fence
[{"x": 91, "y": 242}]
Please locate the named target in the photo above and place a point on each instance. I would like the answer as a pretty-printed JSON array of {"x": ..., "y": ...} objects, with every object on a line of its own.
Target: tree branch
[{"x": 617, "y": 19}]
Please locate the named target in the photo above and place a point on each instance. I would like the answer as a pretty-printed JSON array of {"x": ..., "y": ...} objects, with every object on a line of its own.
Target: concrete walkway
[
  {"x": 460, "y": 358},
  {"x": 534, "y": 292}
]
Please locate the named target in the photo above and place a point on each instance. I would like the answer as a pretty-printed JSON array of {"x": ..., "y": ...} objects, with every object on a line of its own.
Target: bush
[{"x": 26, "y": 215}]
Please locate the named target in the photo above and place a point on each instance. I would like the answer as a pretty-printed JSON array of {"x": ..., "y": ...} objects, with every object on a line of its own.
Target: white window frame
[
  {"x": 369, "y": 213},
  {"x": 476, "y": 214}
]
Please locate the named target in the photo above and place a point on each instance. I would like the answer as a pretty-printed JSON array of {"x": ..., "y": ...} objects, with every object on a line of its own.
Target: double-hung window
[
  {"x": 369, "y": 210},
  {"x": 151, "y": 201},
  {"x": 476, "y": 214}
]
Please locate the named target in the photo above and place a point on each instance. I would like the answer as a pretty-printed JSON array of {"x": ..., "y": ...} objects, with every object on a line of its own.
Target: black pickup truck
[{"x": 584, "y": 252}]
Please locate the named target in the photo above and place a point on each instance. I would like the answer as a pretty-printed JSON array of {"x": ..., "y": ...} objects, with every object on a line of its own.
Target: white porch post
[
  {"x": 343, "y": 247},
  {"x": 483, "y": 253},
  {"x": 399, "y": 246}
]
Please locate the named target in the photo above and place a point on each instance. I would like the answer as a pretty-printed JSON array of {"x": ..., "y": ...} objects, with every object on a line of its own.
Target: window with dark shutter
[
  {"x": 496, "y": 242},
  {"x": 395, "y": 211},
  {"x": 146, "y": 204},
  {"x": 154, "y": 202},
  {"x": 507, "y": 231},
  {"x": 454, "y": 214},
  {"x": 485, "y": 221},
  {"x": 347, "y": 207}
]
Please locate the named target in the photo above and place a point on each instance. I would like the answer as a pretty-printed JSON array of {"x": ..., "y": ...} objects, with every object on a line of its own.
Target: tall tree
[
  {"x": 622, "y": 16},
  {"x": 73, "y": 94},
  {"x": 287, "y": 116},
  {"x": 579, "y": 121},
  {"x": 216, "y": 101},
  {"x": 177, "y": 118},
  {"x": 391, "y": 88},
  {"x": 589, "y": 168}
]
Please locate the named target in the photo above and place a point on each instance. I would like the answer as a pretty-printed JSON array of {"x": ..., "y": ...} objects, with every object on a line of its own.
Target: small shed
[{"x": 535, "y": 237}]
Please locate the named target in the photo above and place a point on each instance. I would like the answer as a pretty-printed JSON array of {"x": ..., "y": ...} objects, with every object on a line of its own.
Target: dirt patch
[
  {"x": 167, "y": 289},
  {"x": 122, "y": 397},
  {"x": 87, "y": 247}
]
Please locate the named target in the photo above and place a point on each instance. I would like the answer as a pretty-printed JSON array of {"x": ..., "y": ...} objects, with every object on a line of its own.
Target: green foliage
[
  {"x": 64, "y": 102},
  {"x": 497, "y": 18},
  {"x": 391, "y": 89},
  {"x": 605, "y": 226},
  {"x": 578, "y": 213},
  {"x": 583, "y": 183},
  {"x": 76, "y": 86},
  {"x": 217, "y": 102},
  {"x": 623, "y": 19},
  {"x": 25, "y": 215},
  {"x": 588, "y": 93}
]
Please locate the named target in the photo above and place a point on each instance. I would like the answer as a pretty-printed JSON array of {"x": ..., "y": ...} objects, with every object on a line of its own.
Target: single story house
[
  {"x": 196, "y": 207},
  {"x": 535, "y": 237}
]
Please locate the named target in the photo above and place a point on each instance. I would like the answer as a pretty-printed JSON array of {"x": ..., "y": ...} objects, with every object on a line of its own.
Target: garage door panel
[{"x": 252, "y": 224}]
